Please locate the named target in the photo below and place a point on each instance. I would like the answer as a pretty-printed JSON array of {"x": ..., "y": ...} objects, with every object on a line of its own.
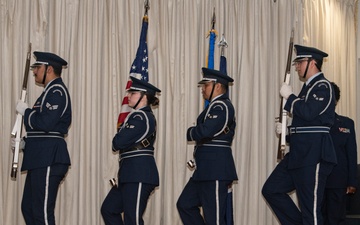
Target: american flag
[{"x": 139, "y": 69}]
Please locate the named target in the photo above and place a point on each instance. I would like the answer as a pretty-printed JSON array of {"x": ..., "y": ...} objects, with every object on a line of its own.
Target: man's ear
[
  {"x": 49, "y": 69},
  {"x": 313, "y": 63},
  {"x": 218, "y": 86}
]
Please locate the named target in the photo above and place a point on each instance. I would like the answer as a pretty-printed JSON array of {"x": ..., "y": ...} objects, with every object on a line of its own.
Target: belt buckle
[
  {"x": 292, "y": 130},
  {"x": 226, "y": 130},
  {"x": 145, "y": 143}
]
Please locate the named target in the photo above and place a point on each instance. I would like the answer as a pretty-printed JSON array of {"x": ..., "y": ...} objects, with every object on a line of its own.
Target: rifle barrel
[
  {"x": 16, "y": 131},
  {"x": 283, "y": 113}
]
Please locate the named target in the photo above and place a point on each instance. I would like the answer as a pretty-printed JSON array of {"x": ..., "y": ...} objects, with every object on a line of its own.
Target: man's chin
[
  {"x": 301, "y": 78},
  {"x": 39, "y": 84}
]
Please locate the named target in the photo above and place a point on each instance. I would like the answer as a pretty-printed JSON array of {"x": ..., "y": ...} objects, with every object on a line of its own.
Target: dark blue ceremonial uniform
[
  {"x": 311, "y": 157},
  {"x": 344, "y": 173},
  {"x": 46, "y": 156},
  {"x": 215, "y": 168},
  {"x": 138, "y": 174}
]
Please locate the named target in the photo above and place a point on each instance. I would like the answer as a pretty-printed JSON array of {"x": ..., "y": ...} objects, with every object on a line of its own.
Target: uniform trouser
[
  {"x": 130, "y": 199},
  {"x": 210, "y": 195},
  {"x": 40, "y": 191},
  {"x": 334, "y": 207},
  {"x": 309, "y": 183}
]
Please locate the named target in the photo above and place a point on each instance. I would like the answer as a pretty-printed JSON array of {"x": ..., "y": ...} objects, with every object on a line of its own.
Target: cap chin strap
[
  {"x": 141, "y": 96},
  {"x": 212, "y": 91},
  {"x": 307, "y": 67},
  {"x": 44, "y": 78}
]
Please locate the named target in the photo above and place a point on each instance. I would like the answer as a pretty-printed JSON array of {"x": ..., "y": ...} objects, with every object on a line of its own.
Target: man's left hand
[
  {"x": 21, "y": 107},
  {"x": 285, "y": 90},
  {"x": 350, "y": 190}
]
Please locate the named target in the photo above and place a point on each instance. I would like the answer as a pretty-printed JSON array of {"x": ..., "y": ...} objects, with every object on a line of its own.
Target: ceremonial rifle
[
  {"x": 283, "y": 112},
  {"x": 16, "y": 131}
]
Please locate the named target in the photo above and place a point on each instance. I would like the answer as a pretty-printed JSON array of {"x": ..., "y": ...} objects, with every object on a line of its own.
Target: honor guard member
[
  {"x": 342, "y": 180},
  {"x": 46, "y": 158},
  {"x": 214, "y": 163},
  {"x": 312, "y": 155},
  {"x": 138, "y": 175}
]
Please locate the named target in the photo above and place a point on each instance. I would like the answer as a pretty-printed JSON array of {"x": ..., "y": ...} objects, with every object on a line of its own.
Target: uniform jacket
[
  {"x": 344, "y": 139},
  {"x": 213, "y": 134},
  {"x": 137, "y": 165},
  {"x": 314, "y": 106},
  {"x": 46, "y": 124}
]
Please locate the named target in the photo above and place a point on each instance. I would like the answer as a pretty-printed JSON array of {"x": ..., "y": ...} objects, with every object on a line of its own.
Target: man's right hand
[
  {"x": 286, "y": 91},
  {"x": 278, "y": 128},
  {"x": 21, "y": 145}
]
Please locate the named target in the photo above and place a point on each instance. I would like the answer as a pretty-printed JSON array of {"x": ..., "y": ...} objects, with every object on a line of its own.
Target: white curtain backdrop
[{"x": 99, "y": 39}]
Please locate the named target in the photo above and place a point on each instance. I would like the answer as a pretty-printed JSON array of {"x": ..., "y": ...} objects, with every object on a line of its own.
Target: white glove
[
  {"x": 21, "y": 107},
  {"x": 286, "y": 90},
  {"x": 21, "y": 145},
  {"x": 278, "y": 128}
]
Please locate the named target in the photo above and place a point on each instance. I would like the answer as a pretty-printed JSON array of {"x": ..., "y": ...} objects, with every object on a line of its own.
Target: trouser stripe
[
  {"x": 315, "y": 193},
  {"x": 138, "y": 203},
  {"x": 217, "y": 202},
  {"x": 46, "y": 195}
]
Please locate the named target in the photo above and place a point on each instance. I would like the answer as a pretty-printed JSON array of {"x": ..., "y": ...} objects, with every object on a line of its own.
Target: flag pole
[
  {"x": 212, "y": 34},
  {"x": 229, "y": 217},
  {"x": 210, "y": 58},
  {"x": 147, "y": 7},
  {"x": 139, "y": 69}
]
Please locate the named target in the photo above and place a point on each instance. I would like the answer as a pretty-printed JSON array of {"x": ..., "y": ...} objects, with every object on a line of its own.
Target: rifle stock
[
  {"x": 283, "y": 113},
  {"x": 16, "y": 131}
]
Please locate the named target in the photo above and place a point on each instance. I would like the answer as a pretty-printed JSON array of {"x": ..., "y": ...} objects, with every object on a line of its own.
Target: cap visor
[
  {"x": 298, "y": 59},
  {"x": 203, "y": 81},
  {"x": 36, "y": 64},
  {"x": 132, "y": 90}
]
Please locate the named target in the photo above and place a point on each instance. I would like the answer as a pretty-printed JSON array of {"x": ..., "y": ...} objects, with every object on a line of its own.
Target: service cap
[
  {"x": 215, "y": 75},
  {"x": 308, "y": 52},
  {"x": 141, "y": 85},
  {"x": 48, "y": 58}
]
